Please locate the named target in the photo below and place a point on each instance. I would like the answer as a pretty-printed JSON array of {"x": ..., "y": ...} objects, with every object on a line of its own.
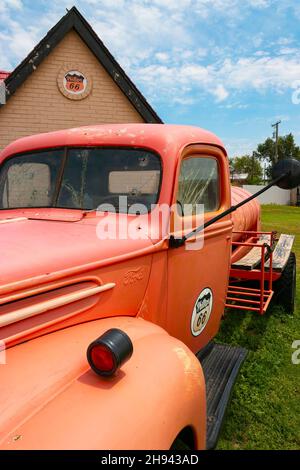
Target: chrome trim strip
[{"x": 42, "y": 307}]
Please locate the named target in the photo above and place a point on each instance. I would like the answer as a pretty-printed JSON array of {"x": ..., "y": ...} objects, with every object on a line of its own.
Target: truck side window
[{"x": 198, "y": 184}]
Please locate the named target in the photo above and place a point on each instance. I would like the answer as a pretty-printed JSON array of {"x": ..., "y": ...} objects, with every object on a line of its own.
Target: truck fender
[{"x": 53, "y": 400}]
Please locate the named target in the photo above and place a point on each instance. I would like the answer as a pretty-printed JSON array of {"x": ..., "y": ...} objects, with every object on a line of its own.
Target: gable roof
[{"x": 74, "y": 20}]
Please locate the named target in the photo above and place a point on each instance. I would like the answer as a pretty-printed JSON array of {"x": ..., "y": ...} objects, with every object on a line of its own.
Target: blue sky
[{"x": 231, "y": 66}]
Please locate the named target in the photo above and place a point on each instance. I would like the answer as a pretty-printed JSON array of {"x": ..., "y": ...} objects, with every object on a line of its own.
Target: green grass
[{"x": 264, "y": 412}]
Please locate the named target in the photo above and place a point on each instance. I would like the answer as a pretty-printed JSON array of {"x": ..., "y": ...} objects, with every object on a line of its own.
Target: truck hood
[
  {"x": 56, "y": 272},
  {"x": 40, "y": 248},
  {"x": 53, "y": 400},
  {"x": 40, "y": 373}
]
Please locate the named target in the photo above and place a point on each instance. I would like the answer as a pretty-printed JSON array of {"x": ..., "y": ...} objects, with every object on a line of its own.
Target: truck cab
[
  {"x": 86, "y": 219},
  {"x": 66, "y": 198}
]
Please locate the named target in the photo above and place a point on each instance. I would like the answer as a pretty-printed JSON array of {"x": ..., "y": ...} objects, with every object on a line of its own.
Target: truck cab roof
[{"x": 158, "y": 137}]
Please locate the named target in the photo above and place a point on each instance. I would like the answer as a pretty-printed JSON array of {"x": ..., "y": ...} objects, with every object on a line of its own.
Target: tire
[
  {"x": 285, "y": 287},
  {"x": 179, "y": 444},
  {"x": 184, "y": 440}
]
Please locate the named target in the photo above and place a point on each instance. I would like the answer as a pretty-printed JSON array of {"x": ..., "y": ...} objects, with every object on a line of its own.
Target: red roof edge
[{"x": 3, "y": 75}]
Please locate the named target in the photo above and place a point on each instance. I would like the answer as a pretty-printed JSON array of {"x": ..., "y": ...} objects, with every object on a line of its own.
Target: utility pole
[
  {"x": 275, "y": 136},
  {"x": 252, "y": 168},
  {"x": 265, "y": 172}
]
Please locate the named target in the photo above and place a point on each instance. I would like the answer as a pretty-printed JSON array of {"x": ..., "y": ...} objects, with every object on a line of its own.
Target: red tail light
[
  {"x": 102, "y": 358},
  {"x": 107, "y": 353}
]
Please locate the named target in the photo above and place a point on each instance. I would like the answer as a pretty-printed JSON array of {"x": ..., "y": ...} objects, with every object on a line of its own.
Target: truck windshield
[{"x": 81, "y": 178}]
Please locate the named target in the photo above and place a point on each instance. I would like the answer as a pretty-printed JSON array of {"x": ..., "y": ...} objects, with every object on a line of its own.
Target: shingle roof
[{"x": 73, "y": 20}]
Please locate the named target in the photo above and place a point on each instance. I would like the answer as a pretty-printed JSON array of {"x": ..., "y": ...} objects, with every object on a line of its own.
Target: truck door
[{"x": 198, "y": 276}]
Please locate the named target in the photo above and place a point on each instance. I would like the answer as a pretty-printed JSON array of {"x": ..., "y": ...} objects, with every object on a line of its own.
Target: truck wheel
[
  {"x": 184, "y": 440},
  {"x": 285, "y": 287}
]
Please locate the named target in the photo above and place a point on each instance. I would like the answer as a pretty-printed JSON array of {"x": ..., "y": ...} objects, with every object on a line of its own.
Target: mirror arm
[{"x": 177, "y": 242}]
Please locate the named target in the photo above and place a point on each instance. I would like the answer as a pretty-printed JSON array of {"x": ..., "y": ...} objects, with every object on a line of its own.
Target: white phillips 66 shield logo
[{"x": 202, "y": 311}]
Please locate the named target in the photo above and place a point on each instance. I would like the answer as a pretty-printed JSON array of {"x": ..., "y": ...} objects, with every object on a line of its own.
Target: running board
[{"x": 221, "y": 364}]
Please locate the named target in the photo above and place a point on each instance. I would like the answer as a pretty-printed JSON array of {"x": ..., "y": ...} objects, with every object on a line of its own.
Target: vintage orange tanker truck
[{"x": 107, "y": 317}]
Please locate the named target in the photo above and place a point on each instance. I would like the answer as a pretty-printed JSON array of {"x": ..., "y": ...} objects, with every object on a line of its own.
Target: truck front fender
[{"x": 51, "y": 399}]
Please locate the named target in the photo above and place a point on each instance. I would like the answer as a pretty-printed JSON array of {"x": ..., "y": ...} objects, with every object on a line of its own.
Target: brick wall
[{"x": 39, "y": 106}]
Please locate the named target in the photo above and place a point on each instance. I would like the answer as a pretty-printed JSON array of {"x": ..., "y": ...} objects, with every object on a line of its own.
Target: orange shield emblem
[{"x": 74, "y": 82}]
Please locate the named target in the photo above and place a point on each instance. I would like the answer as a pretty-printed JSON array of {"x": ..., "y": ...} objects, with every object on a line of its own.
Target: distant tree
[
  {"x": 247, "y": 164},
  {"x": 231, "y": 167},
  {"x": 287, "y": 148}
]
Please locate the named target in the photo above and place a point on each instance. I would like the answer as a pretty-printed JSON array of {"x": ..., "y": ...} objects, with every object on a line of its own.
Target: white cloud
[
  {"x": 205, "y": 8},
  {"x": 5, "y": 63},
  {"x": 155, "y": 43},
  {"x": 235, "y": 105},
  {"x": 239, "y": 146},
  {"x": 261, "y": 73},
  {"x": 183, "y": 101},
  {"x": 260, "y": 53},
  {"x": 18, "y": 41},
  {"x": 140, "y": 29},
  {"x": 280, "y": 117},
  {"x": 201, "y": 52},
  {"x": 260, "y": 3},
  {"x": 228, "y": 77},
  {"x": 171, "y": 4},
  {"x": 5, "y": 5},
  {"x": 257, "y": 40},
  {"x": 220, "y": 93},
  {"x": 21, "y": 41},
  {"x": 288, "y": 51},
  {"x": 284, "y": 41},
  {"x": 162, "y": 56}
]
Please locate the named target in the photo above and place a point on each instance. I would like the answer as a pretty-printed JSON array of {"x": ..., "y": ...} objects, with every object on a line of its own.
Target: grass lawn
[{"x": 264, "y": 412}]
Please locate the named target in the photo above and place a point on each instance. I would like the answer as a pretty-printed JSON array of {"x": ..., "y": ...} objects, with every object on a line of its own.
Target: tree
[
  {"x": 286, "y": 149},
  {"x": 249, "y": 165}
]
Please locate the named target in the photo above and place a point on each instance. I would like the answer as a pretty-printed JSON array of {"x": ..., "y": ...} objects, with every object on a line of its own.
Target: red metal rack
[{"x": 253, "y": 299}]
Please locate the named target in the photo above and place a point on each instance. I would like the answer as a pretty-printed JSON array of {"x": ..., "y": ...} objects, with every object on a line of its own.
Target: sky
[{"x": 230, "y": 66}]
